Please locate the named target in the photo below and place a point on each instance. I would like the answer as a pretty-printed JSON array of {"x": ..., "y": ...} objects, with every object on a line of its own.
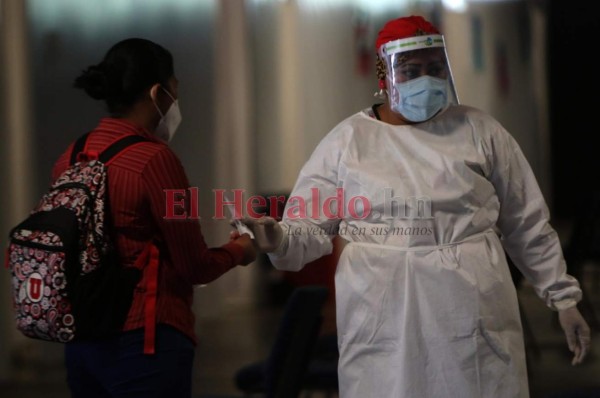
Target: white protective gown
[{"x": 426, "y": 306}]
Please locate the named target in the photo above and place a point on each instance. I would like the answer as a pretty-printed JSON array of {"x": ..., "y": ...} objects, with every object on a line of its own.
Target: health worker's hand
[
  {"x": 268, "y": 234},
  {"x": 577, "y": 332}
]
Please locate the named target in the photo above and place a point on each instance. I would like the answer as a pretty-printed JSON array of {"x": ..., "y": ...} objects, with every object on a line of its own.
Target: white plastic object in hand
[
  {"x": 240, "y": 226},
  {"x": 267, "y": 231},
  {"x": 242, "y": 229}
]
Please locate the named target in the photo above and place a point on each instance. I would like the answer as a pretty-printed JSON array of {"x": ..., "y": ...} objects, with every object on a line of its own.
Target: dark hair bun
[
  {"x": 94, "y": 82},
  {"x": 129, "y": 68}
]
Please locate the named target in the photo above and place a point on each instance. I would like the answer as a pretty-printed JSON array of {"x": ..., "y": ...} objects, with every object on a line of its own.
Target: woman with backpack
[{"x": 136, "y": 81}]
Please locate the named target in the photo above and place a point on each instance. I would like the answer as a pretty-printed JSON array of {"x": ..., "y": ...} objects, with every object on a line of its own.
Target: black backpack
[{"x": 67, "y": 281}]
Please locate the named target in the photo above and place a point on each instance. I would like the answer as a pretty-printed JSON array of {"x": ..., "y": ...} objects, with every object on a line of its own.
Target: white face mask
[
  {"x": 169, "y": 121},
  {"x": 420, "y": 99}
]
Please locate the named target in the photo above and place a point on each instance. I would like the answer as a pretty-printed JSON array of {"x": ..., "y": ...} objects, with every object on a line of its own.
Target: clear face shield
[{"x": 418, "y": 77}]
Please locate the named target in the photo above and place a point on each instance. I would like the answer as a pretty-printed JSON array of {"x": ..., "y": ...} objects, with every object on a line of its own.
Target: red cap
[{"x": 404, "y": 27}]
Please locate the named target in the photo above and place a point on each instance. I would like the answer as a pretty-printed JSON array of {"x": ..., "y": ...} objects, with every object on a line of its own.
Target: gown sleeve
[
  {"x": 524, "y": 222},
  {"x": 308, "y": 227}
]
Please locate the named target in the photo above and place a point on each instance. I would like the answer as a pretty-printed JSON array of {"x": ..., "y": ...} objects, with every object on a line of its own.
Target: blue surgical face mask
[{"x": 421, "y": 98}]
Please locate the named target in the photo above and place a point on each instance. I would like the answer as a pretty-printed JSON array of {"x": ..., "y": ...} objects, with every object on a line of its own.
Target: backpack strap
[
  {"x": 106, "y": 155},
  {"x": 149, "y": 258},
  {"x": 78, "y": 147},
  {"x": 119, "y": 145},
  {"x": 150, "y": 304}
]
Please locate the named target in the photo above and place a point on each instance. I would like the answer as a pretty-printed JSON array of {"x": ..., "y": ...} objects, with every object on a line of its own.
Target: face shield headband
[{"x": 418, "y": 77}]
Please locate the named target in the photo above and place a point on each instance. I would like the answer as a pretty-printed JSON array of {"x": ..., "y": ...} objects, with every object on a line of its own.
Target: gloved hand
[
  {"x": 268, "y": 234},
  {"x": 577, "y": 331}
]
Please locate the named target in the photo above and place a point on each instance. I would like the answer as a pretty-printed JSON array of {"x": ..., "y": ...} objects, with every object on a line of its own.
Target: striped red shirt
[{"x": 137, "y": 179}]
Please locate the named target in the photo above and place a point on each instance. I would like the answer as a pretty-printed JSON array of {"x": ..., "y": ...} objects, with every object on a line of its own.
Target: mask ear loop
[
  {"x": 168, "y": 93},
  {"x": 153, "y": 92}
]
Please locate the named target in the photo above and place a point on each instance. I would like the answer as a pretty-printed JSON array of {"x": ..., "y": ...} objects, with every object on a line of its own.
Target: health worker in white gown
[{"x": 429, "y": 196}]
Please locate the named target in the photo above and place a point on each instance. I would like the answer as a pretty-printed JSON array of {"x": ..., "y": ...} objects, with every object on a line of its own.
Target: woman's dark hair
[{"x": 128, "y": 69}]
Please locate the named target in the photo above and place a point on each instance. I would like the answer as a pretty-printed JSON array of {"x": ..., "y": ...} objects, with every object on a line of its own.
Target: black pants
[{"x": 118, "y": 367}]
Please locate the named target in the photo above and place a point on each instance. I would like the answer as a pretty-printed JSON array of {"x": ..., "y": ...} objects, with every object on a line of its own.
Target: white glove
[
  {"x": 268, "y": 234},
  {"x": 577, "y": 332}
]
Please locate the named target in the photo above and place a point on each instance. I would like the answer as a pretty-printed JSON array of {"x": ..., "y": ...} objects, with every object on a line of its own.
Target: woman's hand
[{"x": 247, "y": 244}]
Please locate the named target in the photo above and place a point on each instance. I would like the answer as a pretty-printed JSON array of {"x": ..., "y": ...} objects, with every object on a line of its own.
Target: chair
[
  {"x": 285, "y": 367},
  {"x": 298, "y": 331},
  {"x": 320, "y": 375}
]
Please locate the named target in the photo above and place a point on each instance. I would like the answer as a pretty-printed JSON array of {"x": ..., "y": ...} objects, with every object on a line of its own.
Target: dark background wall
[{"x": 574, "y": 87}]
